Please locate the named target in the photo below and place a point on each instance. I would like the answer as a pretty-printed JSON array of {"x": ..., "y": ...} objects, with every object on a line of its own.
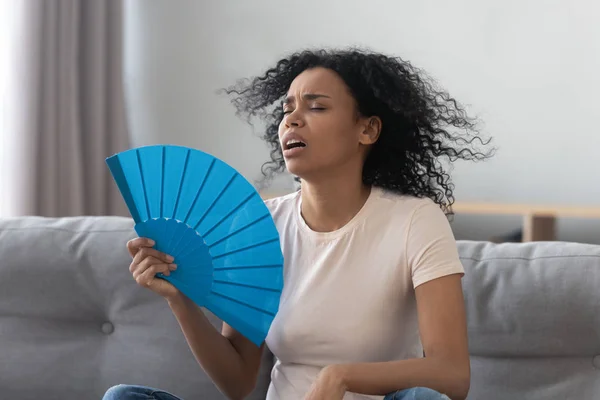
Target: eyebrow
[{"x": 308, "y": 96}]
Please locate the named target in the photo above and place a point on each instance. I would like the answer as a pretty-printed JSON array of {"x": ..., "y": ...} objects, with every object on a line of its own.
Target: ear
[{"x": 371, "y": 130}]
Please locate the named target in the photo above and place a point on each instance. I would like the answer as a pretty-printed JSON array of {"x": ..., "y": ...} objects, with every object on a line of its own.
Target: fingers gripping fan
[{"x": 211, "y": 219}]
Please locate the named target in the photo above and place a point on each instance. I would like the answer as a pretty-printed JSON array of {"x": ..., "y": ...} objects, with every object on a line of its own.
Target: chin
[{"x": 299, "y": 169}]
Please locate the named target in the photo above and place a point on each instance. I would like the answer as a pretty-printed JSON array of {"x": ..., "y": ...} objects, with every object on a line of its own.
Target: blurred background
[{"x": 81, "y": 80}]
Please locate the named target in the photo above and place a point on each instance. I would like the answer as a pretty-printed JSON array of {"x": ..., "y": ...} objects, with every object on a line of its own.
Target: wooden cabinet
[{"x": 539, "y": 221}]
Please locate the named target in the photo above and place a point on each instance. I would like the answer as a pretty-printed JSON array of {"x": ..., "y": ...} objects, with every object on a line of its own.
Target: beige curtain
[{"x": 66, "y": 112}]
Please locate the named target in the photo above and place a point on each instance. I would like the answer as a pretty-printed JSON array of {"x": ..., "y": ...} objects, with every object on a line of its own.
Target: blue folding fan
[{"x": 214, "y": 223}]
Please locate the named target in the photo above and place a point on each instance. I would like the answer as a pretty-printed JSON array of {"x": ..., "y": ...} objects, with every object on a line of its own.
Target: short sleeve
[{"x": 431, "y": 249}]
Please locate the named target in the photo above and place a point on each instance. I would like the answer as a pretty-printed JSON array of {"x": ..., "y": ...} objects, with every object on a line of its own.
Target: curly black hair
[{"x": 421, "y": 123}]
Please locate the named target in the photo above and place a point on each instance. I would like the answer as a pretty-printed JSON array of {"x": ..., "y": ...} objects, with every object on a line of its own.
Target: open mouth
[{"x": 293, "y": 143}]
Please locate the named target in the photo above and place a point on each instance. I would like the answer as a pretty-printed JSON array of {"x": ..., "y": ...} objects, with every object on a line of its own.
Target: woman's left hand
[{"x": 328, "y": 386}]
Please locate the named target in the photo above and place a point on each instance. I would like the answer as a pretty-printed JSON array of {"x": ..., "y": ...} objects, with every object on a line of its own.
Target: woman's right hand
[{"x": 147, "y": 262}]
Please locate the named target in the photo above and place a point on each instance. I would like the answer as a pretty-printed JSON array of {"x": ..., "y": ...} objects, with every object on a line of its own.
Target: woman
[{"x": 372, "y": 278}]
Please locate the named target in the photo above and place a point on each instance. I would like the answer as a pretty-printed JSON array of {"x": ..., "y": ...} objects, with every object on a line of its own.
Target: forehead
[{"x": 318, "y": 80}]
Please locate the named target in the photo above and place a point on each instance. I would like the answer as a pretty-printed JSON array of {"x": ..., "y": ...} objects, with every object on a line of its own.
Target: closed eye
[{"x": 285, "y": 112}]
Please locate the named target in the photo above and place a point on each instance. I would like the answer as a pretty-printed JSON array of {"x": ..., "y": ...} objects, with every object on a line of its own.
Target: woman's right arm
[{"x": 228, "y": 358}]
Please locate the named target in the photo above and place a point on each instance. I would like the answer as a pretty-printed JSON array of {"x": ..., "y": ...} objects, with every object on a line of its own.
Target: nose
[{"x": 293, "y": 120}]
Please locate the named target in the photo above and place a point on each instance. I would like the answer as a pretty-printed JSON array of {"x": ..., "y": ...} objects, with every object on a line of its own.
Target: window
[{"x": 10, "y": 14}]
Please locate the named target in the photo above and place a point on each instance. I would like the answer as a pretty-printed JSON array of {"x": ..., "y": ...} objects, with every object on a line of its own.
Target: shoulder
[
  {"x": 281, "y": 206},
  {"x": 419, "y": 221},
  {"x": 407, "y": 207},
  {"x": 429, "y": 243}
]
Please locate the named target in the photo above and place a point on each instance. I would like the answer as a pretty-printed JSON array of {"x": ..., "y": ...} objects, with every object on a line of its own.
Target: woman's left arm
[{"x": 445, "y": 368}]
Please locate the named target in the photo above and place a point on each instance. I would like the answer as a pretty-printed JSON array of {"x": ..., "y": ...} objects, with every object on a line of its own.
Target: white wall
[{"x": 529, "y": 68}]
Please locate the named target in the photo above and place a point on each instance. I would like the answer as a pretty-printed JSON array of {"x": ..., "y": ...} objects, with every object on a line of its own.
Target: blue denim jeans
[
  {"x": 130, "y": 392},
  {"x": 417, "y": 393}
]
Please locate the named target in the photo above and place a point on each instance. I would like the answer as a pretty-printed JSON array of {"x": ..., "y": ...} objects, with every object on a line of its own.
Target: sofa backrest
[
  {"x": 534, "y": 319},
  {"x": 73, "y": 322}
]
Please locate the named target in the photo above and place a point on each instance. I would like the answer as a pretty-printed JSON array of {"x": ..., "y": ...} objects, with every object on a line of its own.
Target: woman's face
[{"x": 321, "y": 131}]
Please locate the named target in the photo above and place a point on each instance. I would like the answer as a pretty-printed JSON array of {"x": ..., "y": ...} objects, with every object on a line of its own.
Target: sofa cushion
[
  {"x": 534, "y": 319},
  {"x": 73, "y": 322}
]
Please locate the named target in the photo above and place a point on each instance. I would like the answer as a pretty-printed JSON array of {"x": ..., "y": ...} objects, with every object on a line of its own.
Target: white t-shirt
[{"x": 348, "y": 295}]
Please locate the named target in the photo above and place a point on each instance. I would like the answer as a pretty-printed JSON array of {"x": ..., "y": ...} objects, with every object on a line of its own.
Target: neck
[{"x": 329, "y": 204}]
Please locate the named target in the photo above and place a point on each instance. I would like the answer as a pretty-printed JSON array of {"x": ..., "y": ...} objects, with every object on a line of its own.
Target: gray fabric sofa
[{"x": 73, "y": 322}]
